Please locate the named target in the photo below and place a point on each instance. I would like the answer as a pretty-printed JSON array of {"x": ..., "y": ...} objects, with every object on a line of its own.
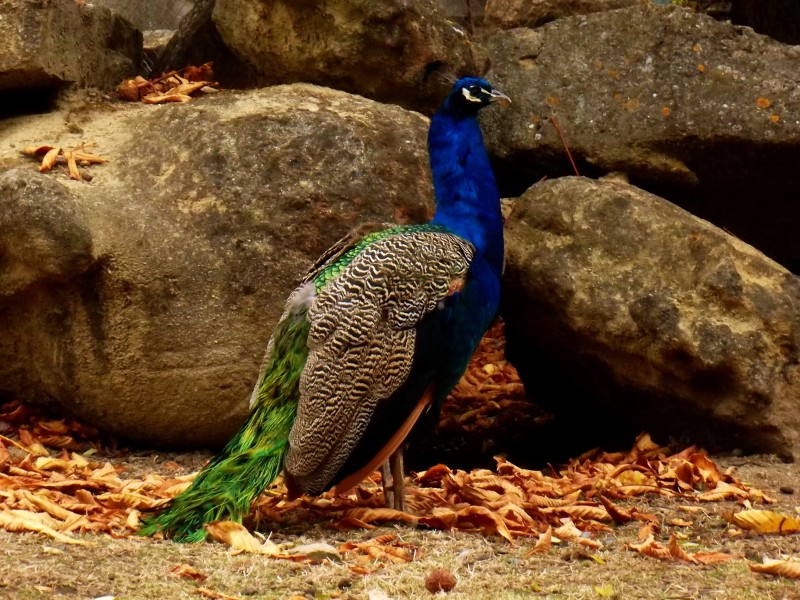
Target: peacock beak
[{"x": 497, "y": 96}]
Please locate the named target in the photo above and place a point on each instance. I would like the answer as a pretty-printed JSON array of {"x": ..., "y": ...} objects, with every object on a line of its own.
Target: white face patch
[{"x": 468, "y": 95}]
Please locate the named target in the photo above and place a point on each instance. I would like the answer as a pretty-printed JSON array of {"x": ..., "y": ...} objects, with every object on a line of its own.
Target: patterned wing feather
[{"x": 361, "y": 343}]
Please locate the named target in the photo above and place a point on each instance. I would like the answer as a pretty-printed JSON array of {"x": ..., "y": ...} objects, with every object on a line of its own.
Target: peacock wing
[
  {"x": 361, "y": 343},
  {"x": 301, "y": 297}
]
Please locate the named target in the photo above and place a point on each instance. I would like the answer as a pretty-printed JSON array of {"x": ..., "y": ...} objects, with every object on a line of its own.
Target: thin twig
[{"x": 564, "y": 142}]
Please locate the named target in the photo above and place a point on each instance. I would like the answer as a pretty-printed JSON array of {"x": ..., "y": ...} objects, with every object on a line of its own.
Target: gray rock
[
  {"x": 147, "y": 15},
  {"x": 50, "y": 44},
  {"x": 196, "y": 42},
  {"x": 388, "y": 51},
  {"x": 533, "y": 13},
  {"x": 54, "y": 245},
  {"x": 180, "y": 252},
  {"x": 701, "y": 112},
  {"x": 625, "y": 312},
  {"x": 464, "y": 10}
]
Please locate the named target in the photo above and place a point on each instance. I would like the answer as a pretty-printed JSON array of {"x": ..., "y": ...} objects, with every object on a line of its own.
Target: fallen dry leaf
[
  {"x": 316, "y": 552},
  {"x": 714, "y": 558},
  {"x": 382, "y": 549},
  {"x": 543, "y": 543},
  {"x": 22, "y": 520},
  {"x": 207, "y": 593},
  {"x": 188, "y": 572},
  {"x": 174, "y": 86},
  {"x": 781, "y": 568},
  {"x": 379, "y": 515},
  {"x": 650, "y": 547},
  {"x": 674, "y": 551},
  {"x": 51, "y": 156},
  {"x": 239, "y": 538},
  {"x": 764, "y": 521}
]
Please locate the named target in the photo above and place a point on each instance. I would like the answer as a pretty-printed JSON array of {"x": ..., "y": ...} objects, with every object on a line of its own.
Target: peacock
[{"x": 376, "y": 335}]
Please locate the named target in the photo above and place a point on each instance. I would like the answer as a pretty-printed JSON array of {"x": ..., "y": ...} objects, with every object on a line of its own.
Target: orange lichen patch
[
  {"x": 535, "y": 119},
  {"x": 775, "y": 118},
  {"x": 701, "y": 67},
  {"x": 697, "y": 48},
  {"x": 552, "y": 101},
  {"x": 666, "y": 111},
  {"x": 630, "y": 104},
  {"x": 763, "y": 103}
]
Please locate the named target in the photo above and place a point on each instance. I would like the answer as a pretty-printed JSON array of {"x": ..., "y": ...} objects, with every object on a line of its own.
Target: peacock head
[{"x": 470, "y": 94}]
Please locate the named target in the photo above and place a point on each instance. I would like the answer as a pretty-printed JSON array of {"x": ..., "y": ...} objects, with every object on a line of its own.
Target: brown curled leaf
[
  {"x": 49, "y": 160},
  {"x": 72, "y": 166},
  {"x": 162, "y": 98},
  {"x": 781, "y": 568},
  {"x": 36, "y": 151}
]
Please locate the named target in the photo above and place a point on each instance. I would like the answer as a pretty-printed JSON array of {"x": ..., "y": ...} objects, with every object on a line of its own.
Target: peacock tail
[{"x": 254, "y": 457}]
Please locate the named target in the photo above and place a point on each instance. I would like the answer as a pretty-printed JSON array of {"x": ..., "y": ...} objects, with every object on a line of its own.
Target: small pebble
[{"x": 786, "y": 489}]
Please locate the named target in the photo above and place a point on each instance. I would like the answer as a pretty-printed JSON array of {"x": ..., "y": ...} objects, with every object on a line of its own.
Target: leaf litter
[
  {"x": 50, "y": 156},
  {"x": 173, "y": 86},
  {"x": 52, "y": 484}
]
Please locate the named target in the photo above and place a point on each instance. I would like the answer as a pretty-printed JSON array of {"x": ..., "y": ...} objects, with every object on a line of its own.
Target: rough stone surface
[
  {"x": 532, "y": 13},
  {"x": 49, "y": 44},
  {"x": 624, "y": 311},
  {"x": 388, "y": 51},
  {"x": 148, "y": 15},
  {"x": 196, "y": 42},
  {"x": 703, "y": 113},
  {"x": 142, "y": 301},
  {"x": 54, "y": 245}
]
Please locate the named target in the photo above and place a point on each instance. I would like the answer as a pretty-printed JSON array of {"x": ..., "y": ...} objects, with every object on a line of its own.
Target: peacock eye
[{"x": 472, "y": 93}]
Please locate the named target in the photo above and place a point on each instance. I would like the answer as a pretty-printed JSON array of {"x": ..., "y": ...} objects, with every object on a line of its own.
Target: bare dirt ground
[{"x": 33, "y": 566}]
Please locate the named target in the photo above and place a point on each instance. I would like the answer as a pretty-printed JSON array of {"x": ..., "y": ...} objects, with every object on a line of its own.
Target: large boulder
[
  {"x": 698, "y": 111},
  {"x": 149, "y": 15},
  {"x": 49, "y": 44},
  {"x": 142, "y": 301},
  {"x": 625, "y": 313},
  {"x": 196, "y": 42},
  {"x": 533, "y": 13},
  {"x": 390, "y": 51}
]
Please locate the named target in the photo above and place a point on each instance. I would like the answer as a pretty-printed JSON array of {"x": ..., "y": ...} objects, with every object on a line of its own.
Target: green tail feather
[{"x": 251, "y": 461}]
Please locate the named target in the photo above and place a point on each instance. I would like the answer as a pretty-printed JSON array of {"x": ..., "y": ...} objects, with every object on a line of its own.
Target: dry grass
[{"x": 32, "y": 566}]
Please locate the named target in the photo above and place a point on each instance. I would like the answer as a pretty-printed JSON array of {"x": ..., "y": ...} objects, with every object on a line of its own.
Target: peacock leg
[
  {"x": 386, "y": 479},
  {"x": 398, "y": 479}
]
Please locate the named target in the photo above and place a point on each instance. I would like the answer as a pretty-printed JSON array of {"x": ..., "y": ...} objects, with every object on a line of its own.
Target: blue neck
[{"x": 467, "y": 200}]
